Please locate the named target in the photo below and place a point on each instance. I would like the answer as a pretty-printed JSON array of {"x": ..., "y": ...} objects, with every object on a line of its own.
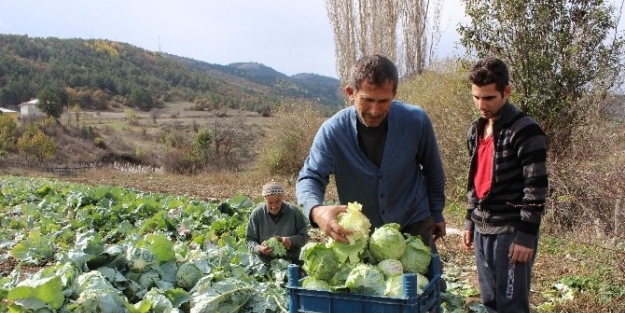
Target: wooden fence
[{"x": 74, "y": 168}]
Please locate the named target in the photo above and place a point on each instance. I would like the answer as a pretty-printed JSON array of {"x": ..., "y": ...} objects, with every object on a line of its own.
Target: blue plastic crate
[{"x": 318, "y": 301}]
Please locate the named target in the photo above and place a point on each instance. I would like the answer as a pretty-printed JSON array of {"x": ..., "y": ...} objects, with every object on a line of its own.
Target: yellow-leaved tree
[
  {"x": 8, "y": 130},
  {"x": 34, "y": 142}
]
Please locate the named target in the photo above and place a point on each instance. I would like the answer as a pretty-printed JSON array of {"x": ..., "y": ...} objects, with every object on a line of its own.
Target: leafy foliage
[
  {"x": 276, "y": 245},
  {"x": 50, "y": 103},
  {"x": 8, "y": 132},
  {"x": 34, "y": 142},
  {"x": 561, "y": 55},
  {"x": 102, "y": 258}
]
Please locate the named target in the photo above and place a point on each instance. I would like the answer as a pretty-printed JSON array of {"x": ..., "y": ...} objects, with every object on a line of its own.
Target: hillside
[{"x": 102, "y": 74}]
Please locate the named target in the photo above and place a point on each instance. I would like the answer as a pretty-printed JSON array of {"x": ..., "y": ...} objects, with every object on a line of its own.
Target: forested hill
[{"x": 99, "y": 74}]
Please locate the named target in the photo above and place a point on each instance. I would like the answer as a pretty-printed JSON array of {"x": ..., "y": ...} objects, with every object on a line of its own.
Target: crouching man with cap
[{"x": 280, "y": 219}]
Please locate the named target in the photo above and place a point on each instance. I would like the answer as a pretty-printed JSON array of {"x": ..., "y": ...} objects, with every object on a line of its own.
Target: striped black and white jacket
[{"x": 516, "y": 200}]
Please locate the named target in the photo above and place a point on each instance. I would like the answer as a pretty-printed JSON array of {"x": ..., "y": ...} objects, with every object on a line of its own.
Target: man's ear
[
  {"x": 350, "y": 92},
  {"x": 507, "y": 91}
]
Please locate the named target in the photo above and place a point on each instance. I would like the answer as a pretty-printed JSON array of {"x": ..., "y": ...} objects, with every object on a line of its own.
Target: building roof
[
  {"x": 3, "y": 110},
  {"x": 33, "y": 101}
]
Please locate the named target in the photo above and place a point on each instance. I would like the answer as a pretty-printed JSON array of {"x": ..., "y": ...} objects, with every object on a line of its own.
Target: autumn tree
[
  {"x": 8, "y": 131},
  {"x": 404, "y": 31},
  {"x": 34, "y": 142},
  {"x": 131, "y": 117},
  {"x": 99, "y": 99},
  {"x": 563, "y": 56}
]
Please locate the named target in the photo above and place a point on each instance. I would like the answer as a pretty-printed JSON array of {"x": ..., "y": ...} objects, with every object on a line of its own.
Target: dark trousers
[
  {"x": 423, "y": 228},
  {"x": 503, "y": 287}
]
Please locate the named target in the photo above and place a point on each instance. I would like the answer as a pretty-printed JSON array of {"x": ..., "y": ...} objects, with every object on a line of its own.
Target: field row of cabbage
[{"x": 109, "y": 249}]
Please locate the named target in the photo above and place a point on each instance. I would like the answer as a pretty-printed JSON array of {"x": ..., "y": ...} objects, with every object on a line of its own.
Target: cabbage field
[
  {"x": 71, "y": 247},
  {"x": 109, "y": 249}
]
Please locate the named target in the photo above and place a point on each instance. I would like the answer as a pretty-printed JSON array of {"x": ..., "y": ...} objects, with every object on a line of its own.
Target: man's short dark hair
[
  {"x": 374, "y": 69},
  {"x": 490, "y": 70}
]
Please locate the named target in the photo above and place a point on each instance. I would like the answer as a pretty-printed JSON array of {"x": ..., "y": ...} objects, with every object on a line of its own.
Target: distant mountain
[
  {"x": 318, "y": 88},
  {"x": 104, "y": 74}
]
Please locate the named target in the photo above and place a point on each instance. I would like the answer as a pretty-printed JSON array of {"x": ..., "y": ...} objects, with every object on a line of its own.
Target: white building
[
  {"x": 28, "y": 109},
  {"x": 10, "y": 113}
]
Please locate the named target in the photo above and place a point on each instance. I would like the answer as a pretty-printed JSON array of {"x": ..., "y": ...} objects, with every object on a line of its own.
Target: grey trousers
[{"x": 503, "y": 287}]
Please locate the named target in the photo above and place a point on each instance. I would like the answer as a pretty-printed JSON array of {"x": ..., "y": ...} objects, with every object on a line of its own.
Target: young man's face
[
  {"x": 488, "y": 100},
  {"x": 372, "y": 102},
  {"x": 274, "y": 203}
]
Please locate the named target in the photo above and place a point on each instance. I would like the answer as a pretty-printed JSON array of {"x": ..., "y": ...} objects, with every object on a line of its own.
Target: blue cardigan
[{"x": 408, "y": 186}]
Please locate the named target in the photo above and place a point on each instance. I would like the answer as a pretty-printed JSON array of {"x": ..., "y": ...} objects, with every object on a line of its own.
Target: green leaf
[
  {"x": 30, "y": 293},
  {"x": 162, "y": 248},
  {"x": 142, "y": 306},
  {"x": 227, "y": 302},
  {"x": 36, "y": 248},
  {"x": 177, "y": 296},
  {"x": 89, "y": 243}
]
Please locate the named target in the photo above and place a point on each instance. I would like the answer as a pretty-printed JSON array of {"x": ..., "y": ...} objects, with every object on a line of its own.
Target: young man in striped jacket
[{"x": 506, "y": 190}]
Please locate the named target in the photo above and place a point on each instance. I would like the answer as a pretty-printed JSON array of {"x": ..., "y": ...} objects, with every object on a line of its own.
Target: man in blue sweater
[{"x": 383, "y": 154}]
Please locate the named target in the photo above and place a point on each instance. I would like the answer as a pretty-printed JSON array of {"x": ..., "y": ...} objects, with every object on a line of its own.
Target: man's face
[
  {"x": 488, "y": 100},
  {"x": 372, "y": 102},
  {"x": 274, "y": 203}
]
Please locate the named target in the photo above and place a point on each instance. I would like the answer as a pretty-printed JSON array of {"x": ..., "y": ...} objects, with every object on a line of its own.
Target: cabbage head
[
  {"x": 277, "y": 246},
  {"x": 391, "y": 267},
  {"x": 366, "y": 279},
  {"x": 395, "y": 285},
  {"x": 319, "y": 261},
  {"x": 315, "y": 284},
  {"x": 387, "y": 242},
  {"x": 422, "y": 281},
  {"x": 417, "y": 257},
  {"x": 354, "y": 221},
  {"x": 187, "y": 275},
  {"x": 100, "y": 301},
  {"x": 139, "y": 259},
  {"x": 90, "y": 280}
]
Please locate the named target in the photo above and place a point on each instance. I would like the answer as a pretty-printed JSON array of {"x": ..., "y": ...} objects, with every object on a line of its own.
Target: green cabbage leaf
[{"x": 417, "y": 257}]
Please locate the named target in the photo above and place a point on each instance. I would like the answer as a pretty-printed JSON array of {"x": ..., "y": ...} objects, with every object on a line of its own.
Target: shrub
[
  {"x": 443, "y": 92},
  {"x": 179, "y": 162},
  {"x": 99, "y": 142},
  {"x": 284, "y": 149},
  {"x": 587, "y": 185}
]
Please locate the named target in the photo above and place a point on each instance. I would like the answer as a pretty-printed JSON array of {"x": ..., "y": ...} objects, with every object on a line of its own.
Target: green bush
[
  {"x": 284, "y": 150},
  {"x": 443, "y": 92}
]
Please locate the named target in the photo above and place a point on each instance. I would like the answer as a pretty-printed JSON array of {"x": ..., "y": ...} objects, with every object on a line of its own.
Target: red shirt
[{"x": 484, "y": 172}]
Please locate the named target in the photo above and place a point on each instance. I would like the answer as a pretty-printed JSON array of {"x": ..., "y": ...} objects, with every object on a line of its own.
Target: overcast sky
[{"x": 291, "y": 36}]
